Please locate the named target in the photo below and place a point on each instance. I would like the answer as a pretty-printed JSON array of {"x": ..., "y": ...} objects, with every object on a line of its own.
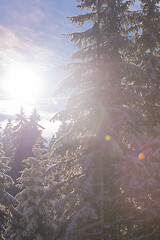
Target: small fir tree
[
  {"x": 8, "y": 140},
  {"x": 22, "y": 145},
  {"x": 6, "y": 200},
  {"x": 26, "y": 133},
  {"x": 36, "y": 129},
  {"x": 36, "y": 221}
]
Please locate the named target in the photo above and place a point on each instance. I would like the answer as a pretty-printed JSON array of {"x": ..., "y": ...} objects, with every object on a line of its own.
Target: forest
[{"x": 99, "y": 176}]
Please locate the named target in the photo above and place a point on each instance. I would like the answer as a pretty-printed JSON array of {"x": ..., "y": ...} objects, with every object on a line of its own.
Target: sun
[{"x": 23, "y": 84}]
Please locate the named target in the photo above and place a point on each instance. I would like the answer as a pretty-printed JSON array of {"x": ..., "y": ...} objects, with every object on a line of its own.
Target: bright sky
[{"x": 31, "y": 47}]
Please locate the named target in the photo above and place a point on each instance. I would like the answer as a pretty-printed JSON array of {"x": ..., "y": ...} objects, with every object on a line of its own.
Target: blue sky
[{"x": 31, "y": 41}]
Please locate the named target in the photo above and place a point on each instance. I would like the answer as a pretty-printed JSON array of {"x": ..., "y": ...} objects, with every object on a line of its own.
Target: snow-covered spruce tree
[
  {"x": 147, "y": 41},
  {"x": 105, "y": 126},
  {"x": 26, "y": 133},
  {"x": 6, "y": 200},
  {"x": 152, "y": 188},
  {"x": 36, "y": 221},
  {"x": 146, "y": 45},
  {"x": 22, "y": 150},
  {"x": 147, "y": 56},
  {"x": 36, "y": 129},
  {"x": 8, "y": 140}
]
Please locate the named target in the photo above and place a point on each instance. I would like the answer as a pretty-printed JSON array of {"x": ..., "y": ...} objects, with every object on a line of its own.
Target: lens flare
[
  {"x": 107, "y": 138},
  {"x": 141, "y": 156}
]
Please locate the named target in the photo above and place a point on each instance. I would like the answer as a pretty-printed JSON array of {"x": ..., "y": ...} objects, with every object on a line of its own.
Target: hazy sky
[{"x": 31, "y": 48}]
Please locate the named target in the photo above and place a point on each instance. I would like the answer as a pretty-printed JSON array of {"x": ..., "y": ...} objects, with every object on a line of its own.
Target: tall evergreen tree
[{"x": 106, "y": 128}]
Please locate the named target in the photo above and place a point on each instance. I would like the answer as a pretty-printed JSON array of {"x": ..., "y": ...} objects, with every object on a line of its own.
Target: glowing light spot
[
  {"x": 141, "y": 156},
  {"x": 107, "y": 138},
  {"x": 22, "y": 84}
]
